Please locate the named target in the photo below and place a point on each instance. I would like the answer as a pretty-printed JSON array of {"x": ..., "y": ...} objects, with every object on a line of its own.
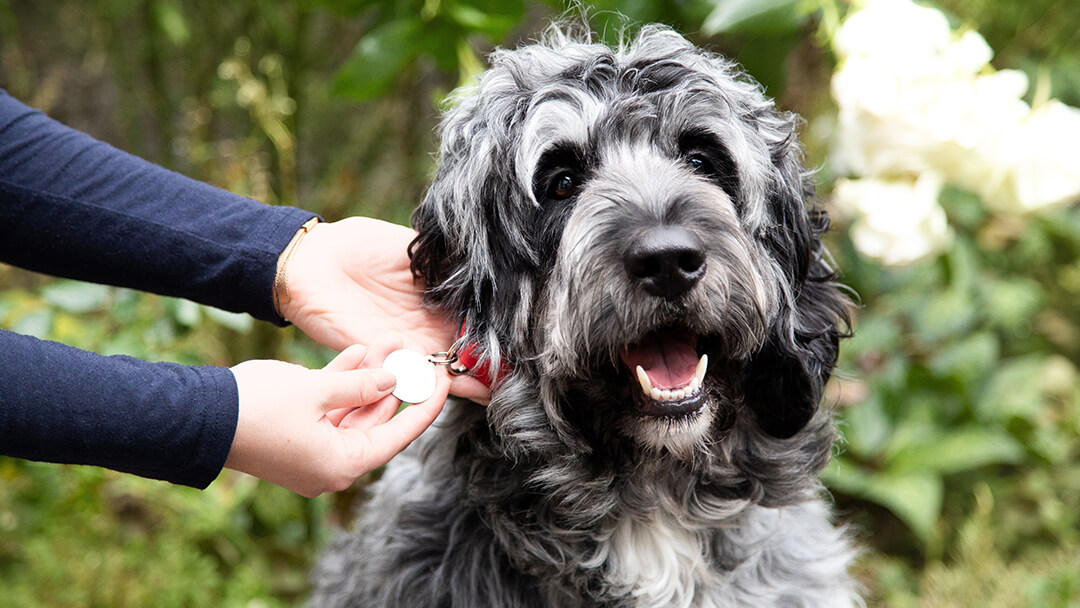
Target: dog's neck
[{"x": 470, "y": 361}]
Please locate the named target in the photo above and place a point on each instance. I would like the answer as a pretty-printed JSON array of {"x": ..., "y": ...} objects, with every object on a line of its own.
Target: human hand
[
  {"x": 313, "y": 431},
  {"x": 349, "y": 282}
]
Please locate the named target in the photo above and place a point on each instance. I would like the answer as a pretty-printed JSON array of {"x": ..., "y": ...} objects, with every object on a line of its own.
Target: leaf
[
  {"x": 915, "y": 498},
  {"x": 943, "y": 315},
  {"x": 186, "y": 313},
  {"x": 874, "y": 333},
  {"x": 170, "y": 18},
  {"x": 1014, "y": 391},
  {"x": 235, "y": 321},
  {"x": 76, "y": 296},
  {"x": 759, "y": 16},
  {"x": 1012, "y": 303},
  {"x": 37, "y": 323},
  {"x": 378, "y": 59},
  {"x": 955, "y": 451},
  {"x": 866, "y": 427},
  {"x": 494, "y": 26},
  {"x": 966, "y": 360}
]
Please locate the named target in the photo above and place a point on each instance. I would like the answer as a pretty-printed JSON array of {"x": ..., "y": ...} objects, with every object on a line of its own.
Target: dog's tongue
[{"x": 669, "y": 357}]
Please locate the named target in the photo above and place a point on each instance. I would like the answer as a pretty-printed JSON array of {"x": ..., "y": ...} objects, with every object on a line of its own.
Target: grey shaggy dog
[{"x": 629, "y": 238}]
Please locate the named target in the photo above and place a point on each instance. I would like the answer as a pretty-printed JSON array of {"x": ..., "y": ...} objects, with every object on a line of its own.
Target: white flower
[
  {"x": 894, "y": 32},
  {"x": 1038, "y": 161},
  {"x": 896, "y": 222},
  {"x": 914, "y": 97},
  {"x": 906, "y": 86}
]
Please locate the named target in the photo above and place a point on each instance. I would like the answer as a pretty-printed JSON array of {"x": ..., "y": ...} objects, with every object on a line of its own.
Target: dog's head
[{"x": 628, "y": 232}]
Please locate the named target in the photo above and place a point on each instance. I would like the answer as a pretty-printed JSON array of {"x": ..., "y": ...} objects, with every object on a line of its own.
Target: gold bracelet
[{"x": 281, "y": 282}]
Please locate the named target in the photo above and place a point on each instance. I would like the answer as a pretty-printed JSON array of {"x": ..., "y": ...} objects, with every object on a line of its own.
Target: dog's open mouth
[{"x": 669, "y": 371}]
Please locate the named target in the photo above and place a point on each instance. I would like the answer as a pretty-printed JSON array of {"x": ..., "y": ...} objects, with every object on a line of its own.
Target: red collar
[{"x": 469, "y": 362}]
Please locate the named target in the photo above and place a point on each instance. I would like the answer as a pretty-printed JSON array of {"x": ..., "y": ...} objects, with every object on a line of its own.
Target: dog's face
[{"x": 627, "y": 231}]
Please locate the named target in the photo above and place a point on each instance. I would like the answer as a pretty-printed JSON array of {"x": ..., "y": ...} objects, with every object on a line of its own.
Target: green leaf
[
  {"x": 758, "y": 16},
  {"x": 233, "y": 320},
  {"x": 186, "y": 313},
  {"x": 955, "y": 451},
  {"x": 75, "y": 296},
  {"x": 37, "y": 323},
  {"x": 915, "y": 498},
  {"x": 944, "y": 315},
  {"x": 873, "y": 334},
  {"x": 494, "y": 26},
  {"x": 170, "y": 19},
  {"x": 1014, "y": 391},
  {"x": 968, "y": 359},
  {"x": 1013, "y": 303},
  {"x": 378, "y": 59},
  {"x": 866, "y": 427}
]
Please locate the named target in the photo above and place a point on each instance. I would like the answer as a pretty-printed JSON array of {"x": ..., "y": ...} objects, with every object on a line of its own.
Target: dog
[{"x": 631, "y": 243}]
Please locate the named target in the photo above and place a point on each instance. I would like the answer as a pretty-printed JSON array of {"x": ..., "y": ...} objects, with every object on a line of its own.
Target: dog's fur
[{"x": 572, "y": 488}]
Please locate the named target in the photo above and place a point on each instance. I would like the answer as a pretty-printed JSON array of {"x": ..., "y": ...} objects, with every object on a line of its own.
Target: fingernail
[{"x": 384, "y": 380}]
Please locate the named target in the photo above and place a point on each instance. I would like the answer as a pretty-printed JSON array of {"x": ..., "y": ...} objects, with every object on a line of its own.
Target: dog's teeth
[
  {"x": 702, "y": 367},
  {"x": 664, "y": 394},
  {"x": 643, "y": 378}
]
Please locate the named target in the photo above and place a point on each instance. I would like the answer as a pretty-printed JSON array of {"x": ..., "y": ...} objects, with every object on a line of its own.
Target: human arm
[
  {"x": 310, "y": 431},
  {"x": 157, "y": 420},
  {"x": 76, "y": 207}
]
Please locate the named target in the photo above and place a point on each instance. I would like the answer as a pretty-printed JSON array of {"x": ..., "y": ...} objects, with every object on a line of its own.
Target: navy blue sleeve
[
  {"x": 157, "y": 420},
  {"x": 76, "y": 207}
]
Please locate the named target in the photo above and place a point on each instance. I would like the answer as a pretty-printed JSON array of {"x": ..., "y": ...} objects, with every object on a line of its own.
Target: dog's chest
[{"x": 659, "y": 562}]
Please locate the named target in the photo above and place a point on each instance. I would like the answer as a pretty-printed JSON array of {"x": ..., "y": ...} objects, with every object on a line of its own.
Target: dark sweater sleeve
[
  {"x": 158, "y": 420},
  {"x": 76, "y": 207}
]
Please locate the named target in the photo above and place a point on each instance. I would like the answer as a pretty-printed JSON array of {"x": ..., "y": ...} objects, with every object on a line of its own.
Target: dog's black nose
[{"x": 666, "y": 260}]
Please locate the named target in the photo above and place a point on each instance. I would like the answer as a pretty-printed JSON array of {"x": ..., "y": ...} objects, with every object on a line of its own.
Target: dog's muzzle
[{"x": 667, "y": 261}]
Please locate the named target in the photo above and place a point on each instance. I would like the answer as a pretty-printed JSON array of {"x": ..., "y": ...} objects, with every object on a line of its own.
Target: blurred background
[{"x": 951, "y": 173}]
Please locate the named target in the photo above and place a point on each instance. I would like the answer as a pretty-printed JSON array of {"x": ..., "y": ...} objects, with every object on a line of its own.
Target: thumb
[{"x": 355, "y": 388}]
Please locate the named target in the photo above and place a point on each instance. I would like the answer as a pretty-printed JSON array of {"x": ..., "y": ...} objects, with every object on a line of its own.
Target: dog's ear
[
  {"x": 784, "y": 381},
  {"x": 449, "y": 249},
  {"x": 472, "y": 250},
  {"x": 429, "y": 252}
]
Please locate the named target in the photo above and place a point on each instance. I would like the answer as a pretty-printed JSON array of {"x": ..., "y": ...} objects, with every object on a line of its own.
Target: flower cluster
[{"x": 920, "y": 107}]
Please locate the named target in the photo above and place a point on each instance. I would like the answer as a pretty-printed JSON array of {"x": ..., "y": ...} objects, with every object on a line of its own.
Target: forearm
[
  {"x": 157, "y": 420},
  {"x": 76, "y": 207}
]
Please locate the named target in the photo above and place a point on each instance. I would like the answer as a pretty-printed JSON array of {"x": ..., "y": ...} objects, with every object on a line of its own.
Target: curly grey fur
[{"x": 561, "y": 493}]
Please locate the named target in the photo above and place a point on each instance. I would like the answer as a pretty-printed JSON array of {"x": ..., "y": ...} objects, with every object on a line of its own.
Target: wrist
[{"x": 281, "y": 294}]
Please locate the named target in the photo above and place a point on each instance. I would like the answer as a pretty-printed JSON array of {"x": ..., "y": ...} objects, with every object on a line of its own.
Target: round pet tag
[{"x": 415, "y": 375}]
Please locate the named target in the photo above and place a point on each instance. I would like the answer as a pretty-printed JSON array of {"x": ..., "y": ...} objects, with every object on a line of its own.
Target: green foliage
[
  {"x": 980, "y": 574},
  {"x": 85, "y": 537},
  {"x": 966, "y": 371}
]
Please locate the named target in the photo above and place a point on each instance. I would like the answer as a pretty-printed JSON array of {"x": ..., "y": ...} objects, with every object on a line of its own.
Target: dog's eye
[
  {"x": 698, "y": 162},
  {"x": 564, "y": 185}
]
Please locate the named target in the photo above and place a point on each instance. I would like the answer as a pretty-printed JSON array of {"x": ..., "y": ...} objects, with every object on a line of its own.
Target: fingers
[
  {"x": 353, "y": 358},
  {"x": 470, "y": 388},
  {"x": 371, "y": 415},
  {"x": 390, "y": 438},
  {"x": 356, "y": 388},
  {"x": 350, "y": 358},
  {"x": 360, "y": 355}
]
